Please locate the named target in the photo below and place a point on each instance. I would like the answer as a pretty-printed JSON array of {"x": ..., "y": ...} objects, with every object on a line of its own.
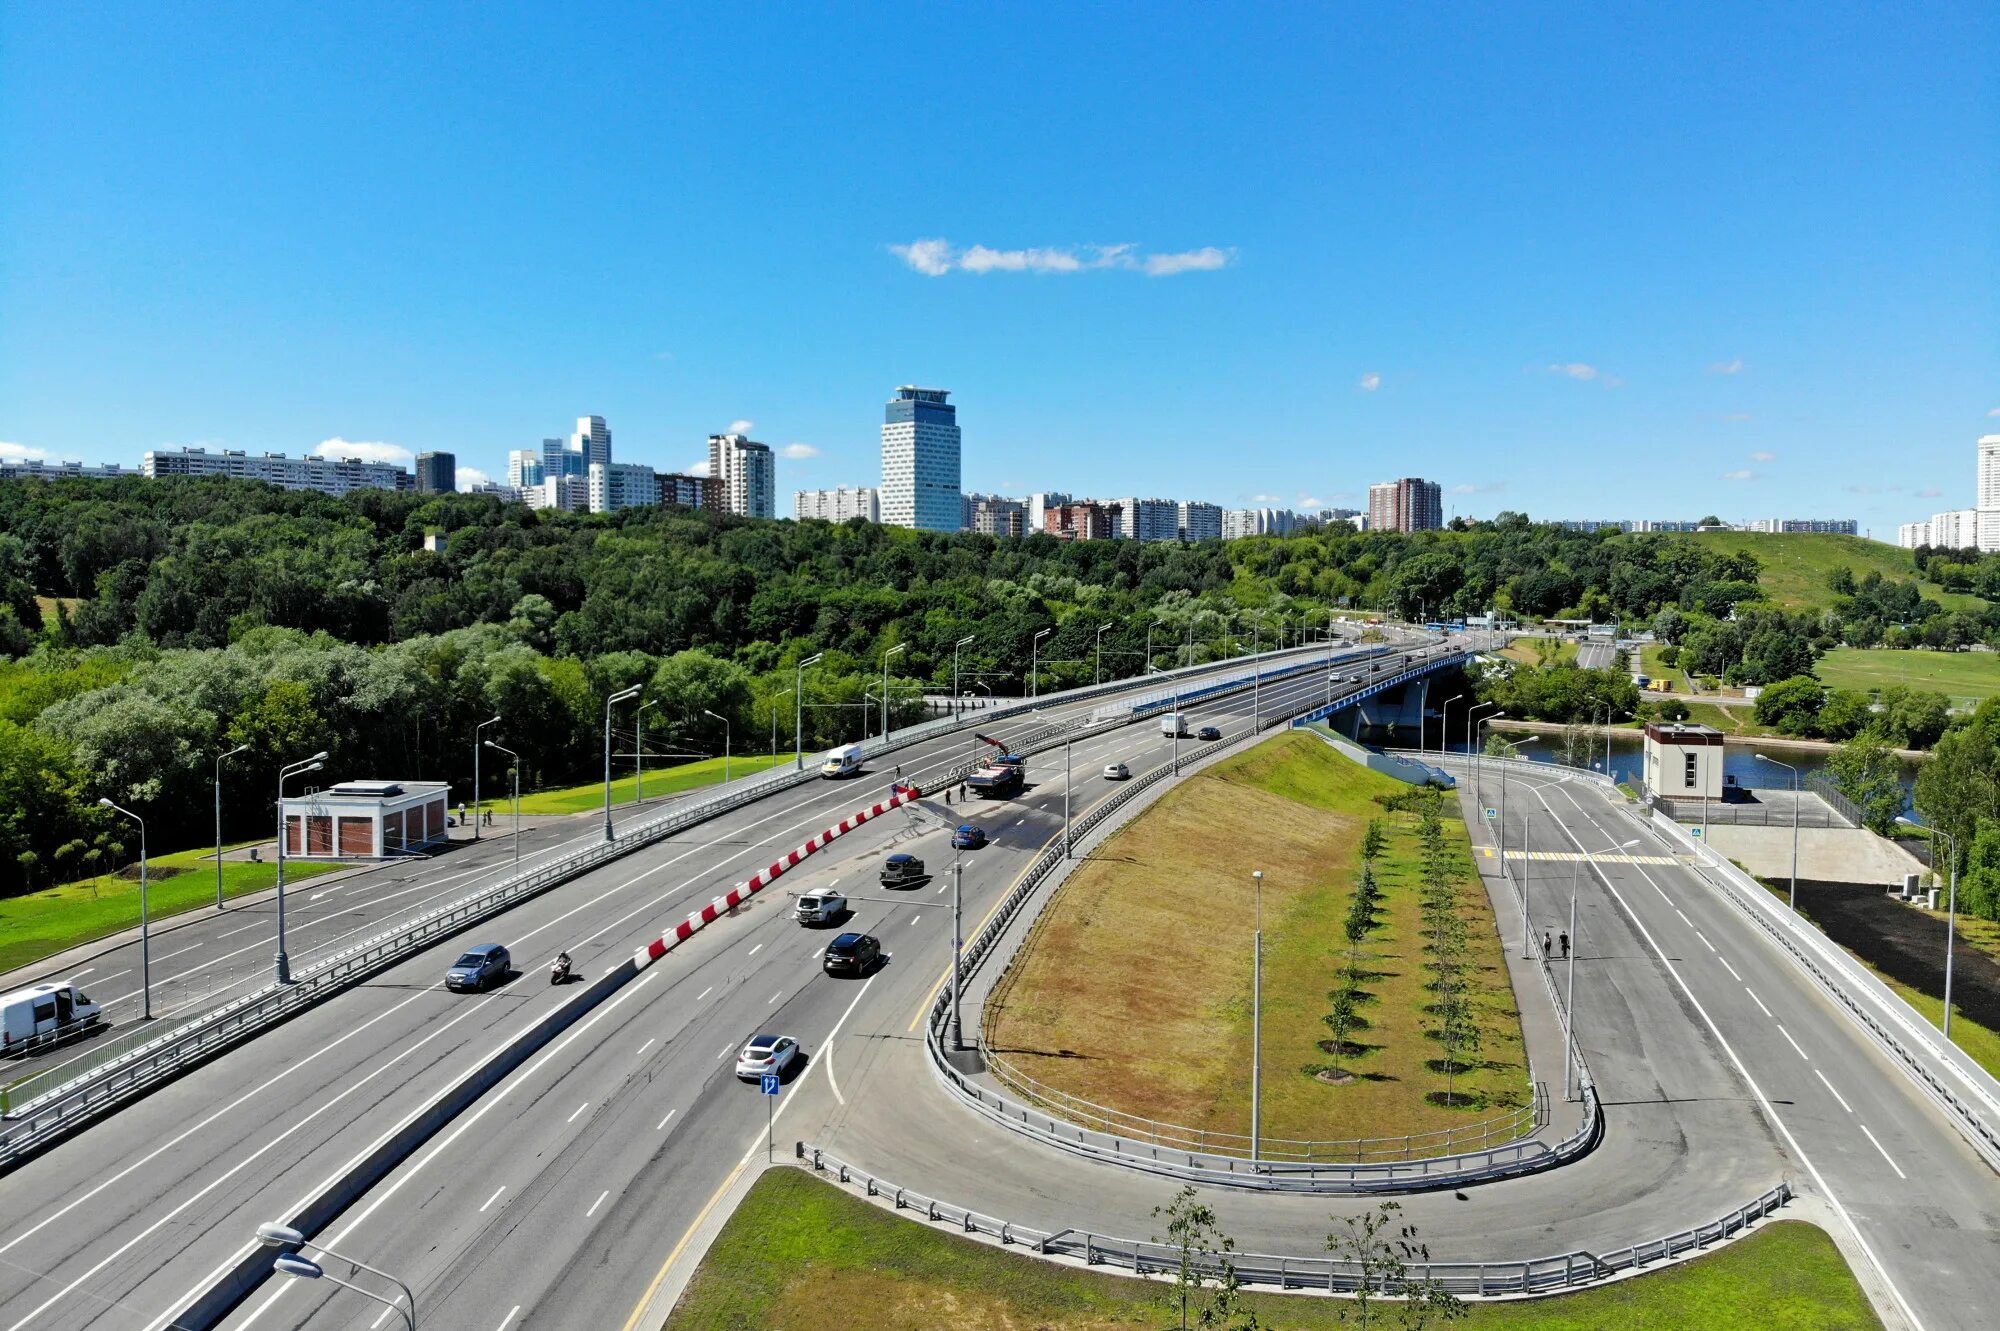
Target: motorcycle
[{"x": 559, "y": 972}]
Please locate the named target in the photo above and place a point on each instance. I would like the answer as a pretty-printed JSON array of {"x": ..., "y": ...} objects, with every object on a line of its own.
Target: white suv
[{"x": 820, "y": 908}]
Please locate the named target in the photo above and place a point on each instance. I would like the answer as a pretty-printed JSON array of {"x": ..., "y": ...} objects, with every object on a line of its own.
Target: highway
[{"x": 168, "y": 1189}]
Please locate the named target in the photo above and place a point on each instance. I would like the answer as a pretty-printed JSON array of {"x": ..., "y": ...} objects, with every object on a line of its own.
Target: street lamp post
[
  {"x": 1521, "y": 883},
  {"x": 609, "y": 703},
  {"x": 240, "y": 748},
  {"x": 312, "y": 764},
  {"x": 725, "y": 741},
  {"x": 1257, "y": 1023},
  {"x": 1035, "y": 664},
  {"x": 145, "y": 917},
  {"x": 490, "y": 721},
  {"x": 1569, "y": 999},
  {"x": 1777, "y": 762},
  {"x": 799, "y": 710},
  {"x": 289, "y": 1262},
  {"x": 638, "y": 751},
  {"x": 954, "y": 670},
  {"x": 516, "y": 770},
  {"x": 957, "y": 946},
  {"x": 1951, "y": 912},
  {"x": 1100, "y": 651},
  {"x": 893, "y": 651},
  {"x": 1066, "y": 799}
]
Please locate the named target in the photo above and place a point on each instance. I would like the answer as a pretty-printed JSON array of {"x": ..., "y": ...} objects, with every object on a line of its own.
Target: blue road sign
[
  {"x": 769, "y": 1083},
  {"x": 1492, "y": 812}
]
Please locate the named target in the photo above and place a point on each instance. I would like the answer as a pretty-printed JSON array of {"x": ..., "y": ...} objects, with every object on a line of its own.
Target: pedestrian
[
  {"x": 961, "y": 791},
  {"x": 1545, "y": 943},
  {"x": 461, "y": 813},
  {"x": 1565, "y": 946}
]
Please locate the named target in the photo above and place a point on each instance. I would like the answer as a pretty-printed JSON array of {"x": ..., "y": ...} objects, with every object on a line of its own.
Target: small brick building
[
  {"x": 358, "y": 820},
  {"x": 1684, "y": 761}
]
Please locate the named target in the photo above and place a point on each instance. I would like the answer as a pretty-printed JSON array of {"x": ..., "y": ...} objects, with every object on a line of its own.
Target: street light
[
  {"x": 492, "y": 721},
  {"x": 289, "y": 1262},
  {"x": 954, "y": 670},
  {"x": 1951, "y": 911},
  {"x": 1776, "y": 762},
  {"x": 893, "y": 651},
  {"x": 240, "y": 748},
  {"x": 1257, "y": 1021},
  {"x": 1569, "y": 1001},
  {"x": 639, "y": 751},
  {"x": 725, "y": 741},
  {"x": 145, "y": 916},
  {"x": 312, "y": 764},
  {"x": 609, "y": 702},
  {"x": 1035, "y": 664},
  {"x": 517, "y": 796},
  {"x": 799, "y": 709},
  {"x": 1100, "y": 651}
]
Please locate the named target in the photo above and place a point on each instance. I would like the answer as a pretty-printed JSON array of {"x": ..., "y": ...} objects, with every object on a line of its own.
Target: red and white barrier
[{"x": 686, "y": 929}]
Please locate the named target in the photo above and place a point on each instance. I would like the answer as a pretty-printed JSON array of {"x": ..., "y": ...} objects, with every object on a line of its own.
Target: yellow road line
[{"x": 681, "y": 1247}]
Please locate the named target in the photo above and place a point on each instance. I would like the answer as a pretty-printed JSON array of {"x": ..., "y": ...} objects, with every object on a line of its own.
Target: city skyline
[{"x": 1621, "y": 296}]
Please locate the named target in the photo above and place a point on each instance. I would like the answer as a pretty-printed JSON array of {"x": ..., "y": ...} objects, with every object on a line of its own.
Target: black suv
[
  {"x": 902, "y": 871},
  {"x": 853, "y": 953},
  {"x": 1208, "y": 732}
]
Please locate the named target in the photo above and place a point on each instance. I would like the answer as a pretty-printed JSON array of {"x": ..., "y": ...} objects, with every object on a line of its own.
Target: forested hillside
[{"x": 153, "y": 624}]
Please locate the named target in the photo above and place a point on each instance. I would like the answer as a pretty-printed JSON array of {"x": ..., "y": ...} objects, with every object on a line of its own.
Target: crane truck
[{"x": 1002, "y": 776}]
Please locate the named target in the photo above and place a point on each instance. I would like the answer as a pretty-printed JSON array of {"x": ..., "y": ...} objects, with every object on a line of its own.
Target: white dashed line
[
  {"x": 244, "y": 930},
  {"x": 915, "y": 918},
  {"x": 755, "y": 950},
  {"x": 1885, "y": 1155},
  {"x": 1704, "y": 940},
  {"x": 1731, "y": 969},
  {"x": 494, "y": 1198},
  {"x": 579, "y": 1109},
  {"x": 1794, "y": 1043},
  {"x": 1758, "y": 1001},
  {"x": 1836, "y": 1094},
  {"x": 775, "y": 997},
  {"x": 508, "y": 1320},
  {"x": 594, "y": 1205},
  {"x": 78, "y": 975},
  {"x": 644, "y": 1047},
  {"x": 704, "y": 993},
  {"x": 668, "y": 1119},
  {"x": 1684, "y": 919},
  {"x": 725, "y": 1052}
]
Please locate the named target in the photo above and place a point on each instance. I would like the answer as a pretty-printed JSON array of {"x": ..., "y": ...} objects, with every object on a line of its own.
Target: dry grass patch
[{"x": 1134, "y": 991}]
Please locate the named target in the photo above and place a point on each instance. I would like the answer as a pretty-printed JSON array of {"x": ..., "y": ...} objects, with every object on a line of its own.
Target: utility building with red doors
[{"x": 363, "y": 820}]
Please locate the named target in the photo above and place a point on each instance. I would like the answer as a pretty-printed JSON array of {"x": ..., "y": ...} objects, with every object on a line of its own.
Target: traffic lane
[{"x": 1922, "y": 1209}]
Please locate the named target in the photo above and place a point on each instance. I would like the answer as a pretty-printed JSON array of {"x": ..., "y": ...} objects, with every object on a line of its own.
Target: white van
[
  {"x": 1172, "y": 724},
  {"x": 843, "y": 761},
  {"x": 42, "y": 1015}
]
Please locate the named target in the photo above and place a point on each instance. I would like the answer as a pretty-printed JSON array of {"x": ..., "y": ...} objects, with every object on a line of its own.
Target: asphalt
[{"x": 167, "y": 1190}]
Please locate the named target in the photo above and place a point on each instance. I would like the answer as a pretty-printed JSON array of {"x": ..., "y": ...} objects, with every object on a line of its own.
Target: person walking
[
  {"x": 1565, "y": 946},
  {"x": 1546, "y": 944}
]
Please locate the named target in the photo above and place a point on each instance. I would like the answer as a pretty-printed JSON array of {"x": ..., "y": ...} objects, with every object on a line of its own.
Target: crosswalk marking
[{"x": 1571, "y": 857}]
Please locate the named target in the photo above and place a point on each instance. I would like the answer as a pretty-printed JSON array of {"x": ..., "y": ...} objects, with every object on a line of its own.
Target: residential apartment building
[
  {"x": 1039, "y": 505},
  {"x": 688, "y": 491},
  {"x": 334, "y": 476},
  {"x": 437, "y": 473},
  {"x": 745, "y": 473},
  {"x": 571, "y": 494},
  {"x": 839, "y": 504},
  {"x": 591, "y": 443},
  {"x": 1199, "y": 521},
  {"x": 1240, "y": 522},
  {"x": 621, "y": 485},
  {"x": 1956, "y": 530},
  {"x": 920, "y": 460},
  {"x": 57, "y": 471},
  {"x": 997, "y": 515},
  {"x": 1147, "y": 519},
  {"x": 1409, "y": 504},
  {"x": 1087, "y": 521},
  {"x": 1800, "y": 526},
  {"x": 1913, "y": 534}
]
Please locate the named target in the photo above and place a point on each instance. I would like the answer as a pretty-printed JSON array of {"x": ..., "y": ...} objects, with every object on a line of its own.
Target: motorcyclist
[{"x": 561, "y": 970}]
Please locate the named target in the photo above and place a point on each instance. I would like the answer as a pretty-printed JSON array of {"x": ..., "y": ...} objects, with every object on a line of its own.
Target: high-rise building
[
  {"x": 1241, "y": 522},
  {"x": 1796, "y": 526},
  {"x": 57, "y": 471},
  {"x": 591, "y": 443},
  {"x": 1150, "y": 520},
  {"x": 839, "y": 504},
  {"x": 571, "y": 494},
  {"x": 524, "y": 468},
  {"x": 621, "y": 485},
  {"x": 1913, "y": 534},
  {"x": 997, "y": 515},
  {"x": 1989, "y": 493},
  {"x": 1087, "y": 521},
  {"x": 747, "y": 474},
  {"x": 684, "y": 490},
  {"x": 1200, "y": 522},
  {"x": 334, "y": 476},
  {"x": 1039, "y": 505},
  {"x": 920, "y": 457},
  {"x": 1955, "y": 530},
  {"x": 437, "y": 473},
  {"x": 1409, "y": 504}
]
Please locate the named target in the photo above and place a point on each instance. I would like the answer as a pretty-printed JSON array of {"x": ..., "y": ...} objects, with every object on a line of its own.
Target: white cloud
[
  {"x": 1994, "y": 412},
  {"x": 1371, "y": 381},
  {"x": 740, "y": 427},
  {"x": 1483, "y": 488},
  {"x": 472, "y": 477},
  {"x": 22, "y": 453},
  {"x": 936, "y": 257},
  {"x": 699, "y": 469},
  {"x": 798, "y": 452},
  {"x": 1727, "y": 367},
  {"x": 1738, "y": 416},
  {"x": 663, "y": 355},
  {"x": 1586, "y": 373},
  {"x": 1763, "y": 455},
  {"x": 1309, "y": 503},
  {"x": 1267, "y": 499},
  {"x": 1745, "y": 475},
  {"x": 364, "y": 450}
]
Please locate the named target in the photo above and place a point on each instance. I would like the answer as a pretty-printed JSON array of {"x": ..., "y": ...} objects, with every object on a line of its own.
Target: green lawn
[
  {"x": 44, "y": 923},
  {"x": 800, "y": 1254},
  {"x": 624, "y": 789},
  {"x": 1954, "y": 674},
  {"x": 1796, "y": 567}
]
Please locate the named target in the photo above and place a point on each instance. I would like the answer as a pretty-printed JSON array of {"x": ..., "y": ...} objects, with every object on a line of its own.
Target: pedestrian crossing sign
[{"x": 1492, "y": 812}]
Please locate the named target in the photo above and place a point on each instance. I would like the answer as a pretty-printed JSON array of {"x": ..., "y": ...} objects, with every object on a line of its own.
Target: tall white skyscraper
[
  {"x": 748, "y": 475},
  {"x": 1989, "y": 493},
  {"x": 591, "y": 443},
  {"x": 524, "y": 468},
  {"x": 1039, "y": 505},
  {"x": 920, "y": 451}
]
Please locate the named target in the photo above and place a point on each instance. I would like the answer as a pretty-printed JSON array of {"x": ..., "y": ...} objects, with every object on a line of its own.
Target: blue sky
[{"x": 1579, "y": 260}]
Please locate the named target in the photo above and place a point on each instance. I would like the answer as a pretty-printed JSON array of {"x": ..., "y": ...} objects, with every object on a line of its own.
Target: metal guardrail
[
  {"x": 78, "y": 1090},
  {"x": 1468, "y": 1279},
  {"x": 1490, "y": 1162}
]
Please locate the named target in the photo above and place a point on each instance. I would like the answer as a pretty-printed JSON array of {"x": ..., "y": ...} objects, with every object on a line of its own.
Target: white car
[
  {"x": 820, "y": 908},
  {"x": 766, "y": 1053},
  {"x": 1116, "y": 771}
]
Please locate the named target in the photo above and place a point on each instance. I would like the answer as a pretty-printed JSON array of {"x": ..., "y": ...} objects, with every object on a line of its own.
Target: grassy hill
[
  {"x": 1961, "y": 676},
  {"x": 1796, "y": 567}
]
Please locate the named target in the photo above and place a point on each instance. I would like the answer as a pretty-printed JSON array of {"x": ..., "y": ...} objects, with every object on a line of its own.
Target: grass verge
[
  {"x": 801, "y": 1255},
  {"x": 41, "y": 924},
  {"x": 625, "y": 789},
  {"x": 1134, "y": 991},
  {"x": 1957, "y": 675}
]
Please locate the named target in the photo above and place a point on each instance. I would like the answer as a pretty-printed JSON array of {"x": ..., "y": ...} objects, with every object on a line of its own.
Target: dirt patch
[{"x": 1905, "y": 944}]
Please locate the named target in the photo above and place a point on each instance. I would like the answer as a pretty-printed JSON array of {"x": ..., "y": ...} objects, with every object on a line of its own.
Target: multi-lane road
[{"x": 121, "y": 1225}]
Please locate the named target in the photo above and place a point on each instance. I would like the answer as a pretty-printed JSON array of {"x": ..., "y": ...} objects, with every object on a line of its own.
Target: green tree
[
  {"x": 283, "y": 723},
  {"x": 1867, "y": 773},
  {"x": 1205, "y": 1291},
  {"x": 1791, "y": 706},
  {"x": 1378, "y": 1260},
  {"x": 1845, "y": 714}
]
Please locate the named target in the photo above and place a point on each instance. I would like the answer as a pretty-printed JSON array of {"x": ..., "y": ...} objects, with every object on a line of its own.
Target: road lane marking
[
  {"x": 1704, "y": 941},
  {"x": 915, "y": 918},
  {"x": 1684, "y": 919},
  {"x": 648, "y": 1045},
  {"x": 78, "y": 975},
  {"x": 755, "y": 950},
  {"x": 244, "y": 930},
  {"x": 594, "y": 1205},
  {"x": 579, "y": 1109},
  {"x": 1793, "y": 1043},
  {"x": 1836, "y": 1094},
  {"x": 1885, "y": 1155},
  {"x": 1731, "y": 969},
  {"x": 775, "y": 997},
  {"x": 704, "y": 993},
  {"x": 725, "y": 1051},
  {"x": 508, "y": 1320},
  {"x": 668, "y": 1119},
  {"x": 494, "y": 1198},
  {"x": 1758, "y": 1001}
]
